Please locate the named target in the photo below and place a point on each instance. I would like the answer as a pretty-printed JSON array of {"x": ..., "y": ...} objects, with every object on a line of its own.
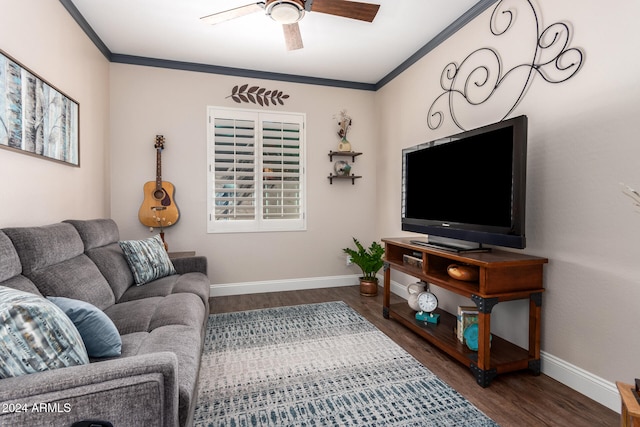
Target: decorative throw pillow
[
  {"x": 147, "y": 259},
  {"x": 35, "y": 335},
  {"x": 100, "y": 335}
]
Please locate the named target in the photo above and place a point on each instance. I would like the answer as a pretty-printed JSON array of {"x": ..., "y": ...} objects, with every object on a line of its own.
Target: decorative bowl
[{"x": 463, "y": 272}]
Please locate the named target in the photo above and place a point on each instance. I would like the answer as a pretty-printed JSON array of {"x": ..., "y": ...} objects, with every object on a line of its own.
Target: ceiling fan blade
[
  {"x": 292, "y": 36},
  {"x": 347, "y": 9},
  {"x": 237, "y": 12}
]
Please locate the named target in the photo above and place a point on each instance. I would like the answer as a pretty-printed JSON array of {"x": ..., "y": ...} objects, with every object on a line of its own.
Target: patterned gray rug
[{"x": 318, "y": 365}]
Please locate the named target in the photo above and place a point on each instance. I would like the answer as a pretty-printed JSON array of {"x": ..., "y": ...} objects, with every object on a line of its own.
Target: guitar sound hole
[{"x": 158, "y": 194}]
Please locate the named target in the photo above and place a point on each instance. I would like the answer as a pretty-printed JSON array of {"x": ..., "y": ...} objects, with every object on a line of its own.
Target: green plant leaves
[{"x": 369, "y": 260}]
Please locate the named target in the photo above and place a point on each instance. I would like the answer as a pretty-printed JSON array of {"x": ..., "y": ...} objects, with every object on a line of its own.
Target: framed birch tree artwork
[{"x": 36, "y": 118}]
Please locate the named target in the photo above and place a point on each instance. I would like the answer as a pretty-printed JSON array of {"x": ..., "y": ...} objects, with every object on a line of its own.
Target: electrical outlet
[{"x": 349, "y": 260}]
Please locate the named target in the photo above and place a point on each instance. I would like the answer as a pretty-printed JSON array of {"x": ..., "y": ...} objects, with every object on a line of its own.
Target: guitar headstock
[{"x": 159, "y": 145}]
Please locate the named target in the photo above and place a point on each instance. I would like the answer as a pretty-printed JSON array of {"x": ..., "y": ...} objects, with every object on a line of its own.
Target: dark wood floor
[{"x": 516, "y": 399}]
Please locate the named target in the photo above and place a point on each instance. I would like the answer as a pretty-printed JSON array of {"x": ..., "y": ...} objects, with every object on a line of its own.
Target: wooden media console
[{"x": 503, "y": 276}]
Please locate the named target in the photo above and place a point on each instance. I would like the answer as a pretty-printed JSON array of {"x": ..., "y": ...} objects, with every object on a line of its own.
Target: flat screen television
[{"x": 468, "y": 187}]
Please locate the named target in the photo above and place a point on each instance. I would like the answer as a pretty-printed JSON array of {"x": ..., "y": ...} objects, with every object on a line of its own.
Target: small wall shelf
[
  {"x": 351, "y": 154},
  {"x": 351, "y": 177}
]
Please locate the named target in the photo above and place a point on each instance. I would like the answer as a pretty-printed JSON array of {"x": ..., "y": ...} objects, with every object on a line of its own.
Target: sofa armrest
[
  {"x": 131, "y": 391},
  {"x": 191, "y": 264}
]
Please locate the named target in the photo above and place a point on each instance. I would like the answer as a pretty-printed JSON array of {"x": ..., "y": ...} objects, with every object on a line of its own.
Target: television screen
[{"x": 470, "y": 186}]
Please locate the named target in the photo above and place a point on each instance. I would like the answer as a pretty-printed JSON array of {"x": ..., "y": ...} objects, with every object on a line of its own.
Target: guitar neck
[{"x": 158, "y": 169}]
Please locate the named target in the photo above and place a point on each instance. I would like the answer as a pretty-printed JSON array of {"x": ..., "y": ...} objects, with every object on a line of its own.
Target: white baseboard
[
  {"x": 596, "y": 388},
  {"x": 282, "y": 285},
  {"x": 592, "y": 386}
]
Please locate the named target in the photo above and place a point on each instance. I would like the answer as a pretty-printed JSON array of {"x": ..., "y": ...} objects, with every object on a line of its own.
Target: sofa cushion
[
  {"x": 114, "y": 267},
  {"x": 99, "y": 334},
  {"x": 21, "y": 283},
  {"x": 148, "y": 259},
  {"x": 96, "y": 232},
  {"x": 100, "y": 238},
  {"x": 52, "y": 257},
  {"x": 191, "y": 283},
  {"x": 35, "y": 245},
  {"x": 11, "y": 269},
  {"x": 131, "y": 343},
  {"x": 36, "y": 335},
  {"x": 148, "y": 314},
  {"x": 78, "y": 278},
  {"x": 186, "y": 343},
  {"x": 9, "y": 261}
]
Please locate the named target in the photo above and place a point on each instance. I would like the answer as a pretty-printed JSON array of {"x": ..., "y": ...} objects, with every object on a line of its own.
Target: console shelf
[{"x": 504, "y": 276}]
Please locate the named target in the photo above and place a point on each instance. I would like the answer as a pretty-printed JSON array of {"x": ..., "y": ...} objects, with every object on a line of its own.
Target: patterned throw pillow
[
  {"x": 147, "y": 259},
  {"x": 35, "y": 335},
  {"x": 99, "y": 334}
]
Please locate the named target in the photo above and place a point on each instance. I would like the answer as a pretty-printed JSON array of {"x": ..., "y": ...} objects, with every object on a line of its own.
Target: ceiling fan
[{"x": 289, "y": 12}]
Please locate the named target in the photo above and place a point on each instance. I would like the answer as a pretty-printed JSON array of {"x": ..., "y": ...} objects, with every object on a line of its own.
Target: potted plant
[{"x": 370, "y": 262}]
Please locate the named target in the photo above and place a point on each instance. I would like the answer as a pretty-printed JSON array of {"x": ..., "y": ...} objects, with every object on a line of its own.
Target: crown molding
[
  {"x": 468, "y": 16},
  {"x": 237, "y": 72},
  {"x": 77, "y": 16}
]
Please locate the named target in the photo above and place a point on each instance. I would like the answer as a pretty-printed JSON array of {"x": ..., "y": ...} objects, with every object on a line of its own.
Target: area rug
[{"x": 318, "y": 365}]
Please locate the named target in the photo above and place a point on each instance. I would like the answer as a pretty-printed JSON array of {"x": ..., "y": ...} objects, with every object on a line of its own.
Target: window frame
[{"x": 259, "y": 223}]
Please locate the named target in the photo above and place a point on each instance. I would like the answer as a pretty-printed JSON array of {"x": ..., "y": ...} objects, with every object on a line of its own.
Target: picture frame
[{"x": 35, "y": 117}]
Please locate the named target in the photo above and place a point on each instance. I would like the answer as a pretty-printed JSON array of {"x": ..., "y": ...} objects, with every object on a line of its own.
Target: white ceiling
[{"x": 334, "y": 47}]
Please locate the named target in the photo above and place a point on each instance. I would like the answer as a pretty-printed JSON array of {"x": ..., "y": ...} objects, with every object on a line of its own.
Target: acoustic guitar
[{"x": 158, "y": 207}]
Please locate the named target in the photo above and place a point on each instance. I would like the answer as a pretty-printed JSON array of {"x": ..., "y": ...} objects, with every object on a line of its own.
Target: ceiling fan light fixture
[{"x": 285, "y": 11}]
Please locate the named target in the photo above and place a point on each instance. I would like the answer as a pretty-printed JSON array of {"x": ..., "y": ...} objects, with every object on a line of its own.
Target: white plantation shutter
[
  {"x": 256, "y": 171},
  {"x": 234, "y": 169},
  {"x": 281, "y": 167}
]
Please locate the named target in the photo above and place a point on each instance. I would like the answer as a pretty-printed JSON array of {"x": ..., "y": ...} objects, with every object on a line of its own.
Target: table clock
[{"x": 427, "y": 303}]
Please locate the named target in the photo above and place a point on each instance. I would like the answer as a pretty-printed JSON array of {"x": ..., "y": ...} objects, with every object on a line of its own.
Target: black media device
[{"x": 468, "y": 187}]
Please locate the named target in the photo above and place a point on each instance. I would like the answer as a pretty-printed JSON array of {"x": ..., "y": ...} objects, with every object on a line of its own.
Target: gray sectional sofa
[{"x": 161, "y": 325}]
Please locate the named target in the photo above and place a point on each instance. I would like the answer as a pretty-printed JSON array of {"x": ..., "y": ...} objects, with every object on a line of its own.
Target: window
[{"x": 255, "y": 171}]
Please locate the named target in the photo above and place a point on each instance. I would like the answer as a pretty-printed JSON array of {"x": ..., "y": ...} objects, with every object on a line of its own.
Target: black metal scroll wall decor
[
  {"x": 257, "y": 95},
  {"x": 475, "y": 81}
]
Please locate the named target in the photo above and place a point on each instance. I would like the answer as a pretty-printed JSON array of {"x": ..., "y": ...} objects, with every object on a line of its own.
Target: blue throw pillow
[
  {"x": 100, "y": 335},
  {"x": 35, "y": 335},
  {"x": 147, "y": 259}
]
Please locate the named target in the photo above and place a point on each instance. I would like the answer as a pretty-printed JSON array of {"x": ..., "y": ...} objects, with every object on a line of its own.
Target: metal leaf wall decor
[
  {"x": 473, "y": 82},
  {"x": 257, "y": 95}
]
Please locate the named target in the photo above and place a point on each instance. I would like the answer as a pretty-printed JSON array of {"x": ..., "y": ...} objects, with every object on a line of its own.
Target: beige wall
[
  {"x": 44, "y": 38},
  {"x": 582, "y": 143},
  {"x": 148, "y": 101}
]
